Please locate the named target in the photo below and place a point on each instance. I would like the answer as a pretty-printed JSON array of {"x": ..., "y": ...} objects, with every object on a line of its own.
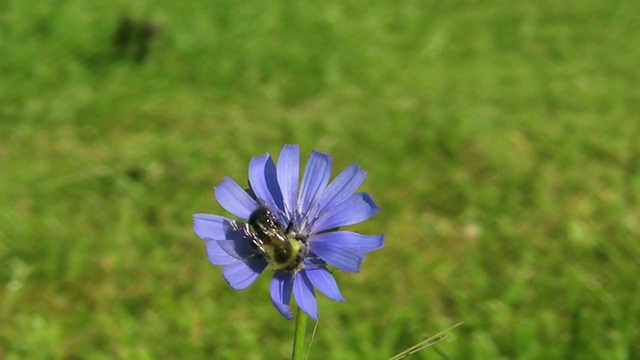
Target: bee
[{"x": 277, "y": 244}]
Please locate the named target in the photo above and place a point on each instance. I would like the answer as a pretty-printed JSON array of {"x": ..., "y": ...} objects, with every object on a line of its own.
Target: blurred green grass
[{"x": 500, "y": 140}]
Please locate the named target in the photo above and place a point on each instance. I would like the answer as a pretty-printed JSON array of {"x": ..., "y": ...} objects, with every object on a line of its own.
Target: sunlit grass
[{"x": 500, "y": 141}]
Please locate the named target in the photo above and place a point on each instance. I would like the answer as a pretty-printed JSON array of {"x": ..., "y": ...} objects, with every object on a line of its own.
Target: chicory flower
[{"x": 293, "y": 231}]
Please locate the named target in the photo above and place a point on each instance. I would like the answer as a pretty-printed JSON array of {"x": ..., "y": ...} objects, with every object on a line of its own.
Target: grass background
[{"x": 500, "y": 140}]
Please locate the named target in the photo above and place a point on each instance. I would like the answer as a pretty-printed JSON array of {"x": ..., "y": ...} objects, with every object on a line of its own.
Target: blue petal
[
  {"x": 263, "y": 180},
  {"x": 316, "y": 177},
  {"x": 209, "y": 227},
  {"x": 322, "y": 279},
  {"x": 240, "y": 275},
  {"x": 304, "y": 295},
  {"x": 350, "y": 240},
  {"x": 234, "y": 199},
  {"x": 357, "y": 208},
  {"x": 342, "y": 258},
  {"x": 216, "y": 255},
  {"x": 288, "y": 170},
  {"x": 343, "y": 186},
  {"x": 280, "y": 291}
]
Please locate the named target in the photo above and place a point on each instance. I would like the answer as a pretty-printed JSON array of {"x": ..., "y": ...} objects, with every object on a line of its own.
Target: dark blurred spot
[
  {"x": 123, "y": 36},
  {"x": 133, "y": 38},
  {"x": 147, "y": 31},
  {"x": 151, "y": 216},
  {"x": 135, "y": 173},
  {"x": 602, "y": 256}
]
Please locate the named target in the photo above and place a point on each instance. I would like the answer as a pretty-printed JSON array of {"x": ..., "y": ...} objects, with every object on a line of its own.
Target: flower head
[{"x": 292, "y": 231}]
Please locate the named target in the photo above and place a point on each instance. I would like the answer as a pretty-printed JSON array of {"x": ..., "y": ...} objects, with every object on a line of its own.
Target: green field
[{"x": 501, "y": 141}]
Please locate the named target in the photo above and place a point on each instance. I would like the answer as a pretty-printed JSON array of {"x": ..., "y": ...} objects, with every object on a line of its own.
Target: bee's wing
[{"x": 247, "y": 233}]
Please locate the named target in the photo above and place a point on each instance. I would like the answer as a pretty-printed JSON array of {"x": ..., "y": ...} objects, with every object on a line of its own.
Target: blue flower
[{"x": 306, "y": 219}]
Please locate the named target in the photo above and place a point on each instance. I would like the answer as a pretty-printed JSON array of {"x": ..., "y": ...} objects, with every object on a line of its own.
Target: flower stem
[{"x": 299, "y": 335}]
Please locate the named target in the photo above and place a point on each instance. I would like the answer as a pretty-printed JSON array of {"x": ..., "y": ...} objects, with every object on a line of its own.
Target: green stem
[{"x": 298, "y": 337}]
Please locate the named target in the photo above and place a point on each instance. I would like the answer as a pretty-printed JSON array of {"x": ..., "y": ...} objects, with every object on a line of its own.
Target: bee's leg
[{"x": 290, "y": 231}]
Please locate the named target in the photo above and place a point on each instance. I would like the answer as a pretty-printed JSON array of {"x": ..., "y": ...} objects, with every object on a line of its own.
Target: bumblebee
[{"x": 277, "y": 244}]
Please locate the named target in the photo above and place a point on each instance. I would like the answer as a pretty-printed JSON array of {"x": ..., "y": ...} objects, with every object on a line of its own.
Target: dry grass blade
[{"x": 425, "y": 343}]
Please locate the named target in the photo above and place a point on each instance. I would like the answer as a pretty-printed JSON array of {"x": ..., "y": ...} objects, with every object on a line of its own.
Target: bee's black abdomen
[
  {"x": 282, "y": 255},
  {"x": 263, "y": 221}
]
